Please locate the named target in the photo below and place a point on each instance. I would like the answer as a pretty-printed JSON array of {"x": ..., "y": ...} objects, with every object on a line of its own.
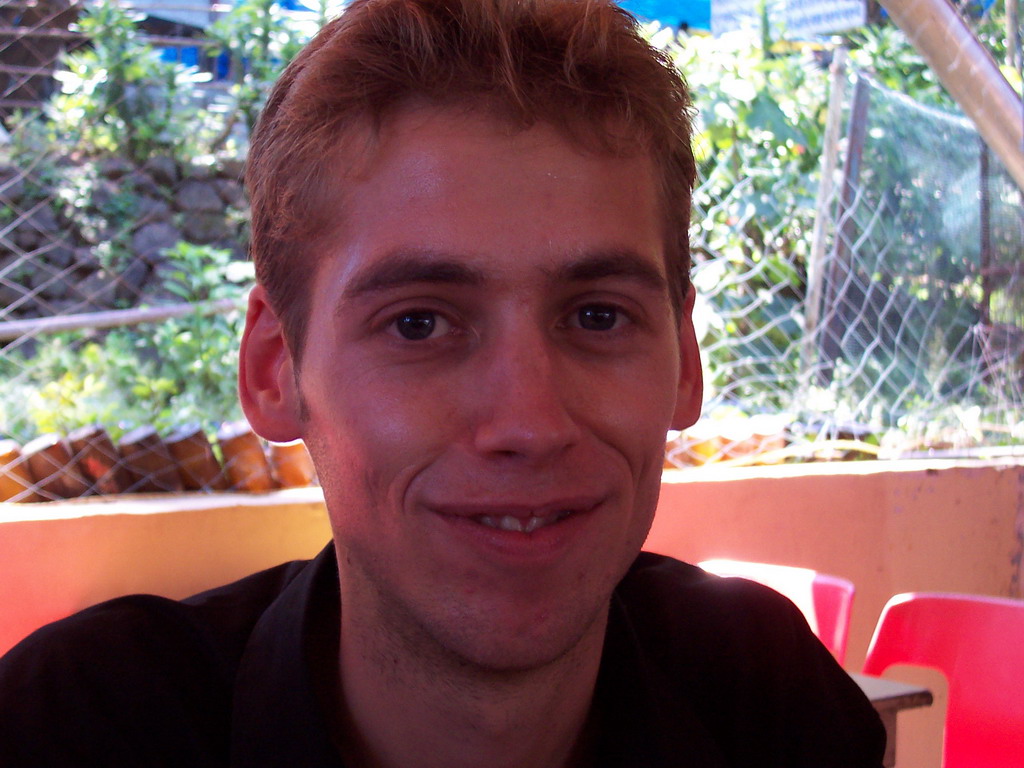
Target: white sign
[
  {"x": 817, "y": 17},
  {"x": 791, "y": 18},
  {"x": 731, "y": 15}
]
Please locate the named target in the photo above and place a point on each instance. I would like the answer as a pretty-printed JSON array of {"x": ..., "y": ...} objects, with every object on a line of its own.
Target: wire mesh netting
[
  {"x": 882, "y": 307},
  {"x": 921, "y": 321},
  {"x": 123, "y": 231},
  {"x": 920, "y": 326},
  {"x": 913, "y": 336}
]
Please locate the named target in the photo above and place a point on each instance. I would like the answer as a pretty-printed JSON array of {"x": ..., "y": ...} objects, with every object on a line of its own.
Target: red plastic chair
[
  {"x": 978, "y": 644},
  {"x": 825, "y": 600}
]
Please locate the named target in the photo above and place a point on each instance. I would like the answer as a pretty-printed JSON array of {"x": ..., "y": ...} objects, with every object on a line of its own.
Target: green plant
[
  {"x": 166, "y": 374},
  {"x": 195, "y": 358},
  {"x": 885, "y": 52},
  {"x": 260, "y": 37},
  {"x": 198, "y": 273},
  {"x": 118, "y": 96},
  {"x": 30, "y": 151},
  {"x": 176, "y": 372},
  {"x": 760, "y": 122}
]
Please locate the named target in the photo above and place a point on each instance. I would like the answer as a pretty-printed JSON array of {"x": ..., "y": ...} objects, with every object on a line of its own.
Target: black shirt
[{"x": 697, "y": 671}]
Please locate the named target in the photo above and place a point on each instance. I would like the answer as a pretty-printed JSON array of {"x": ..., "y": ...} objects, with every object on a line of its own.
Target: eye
[
  {"x": 599, "y": 317},
  {"x": 418, "y": 326}
]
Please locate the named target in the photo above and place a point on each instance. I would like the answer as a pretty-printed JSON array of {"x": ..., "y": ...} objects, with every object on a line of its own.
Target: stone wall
[{"x": 81, "y": 236}]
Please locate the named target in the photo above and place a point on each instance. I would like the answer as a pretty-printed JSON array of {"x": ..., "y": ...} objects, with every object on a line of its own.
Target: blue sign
[{"x": 693, "y": 14}]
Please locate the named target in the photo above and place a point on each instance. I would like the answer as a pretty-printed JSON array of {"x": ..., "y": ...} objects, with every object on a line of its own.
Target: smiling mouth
[{"x": 522, "y": 524}]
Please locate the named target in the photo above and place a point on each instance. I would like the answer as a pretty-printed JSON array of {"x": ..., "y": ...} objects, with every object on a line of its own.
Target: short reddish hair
[{"x": 579, "y": 65}]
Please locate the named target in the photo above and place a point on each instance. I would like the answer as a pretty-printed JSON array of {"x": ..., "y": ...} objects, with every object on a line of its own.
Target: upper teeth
[{"x": 520, "y": 524}]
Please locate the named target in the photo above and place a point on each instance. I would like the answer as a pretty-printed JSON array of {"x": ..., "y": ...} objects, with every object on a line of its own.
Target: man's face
[{"x": 490, "y": 367}]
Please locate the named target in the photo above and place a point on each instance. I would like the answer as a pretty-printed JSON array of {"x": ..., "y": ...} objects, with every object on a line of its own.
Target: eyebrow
[
  {"x": 613, "y": 264},
  {"x": 403, "y": 268},
  {"x": 408, "y": 267}
]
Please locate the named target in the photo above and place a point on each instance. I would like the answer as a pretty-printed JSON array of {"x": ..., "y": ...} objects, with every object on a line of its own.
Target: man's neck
[{"x": 401, "y": 711}]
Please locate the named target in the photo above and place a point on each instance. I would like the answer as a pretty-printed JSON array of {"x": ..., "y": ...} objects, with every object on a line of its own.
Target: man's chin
[{"x": 502, "y": 649}]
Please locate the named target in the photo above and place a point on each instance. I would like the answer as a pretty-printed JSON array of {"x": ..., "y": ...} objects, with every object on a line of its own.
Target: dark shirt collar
[
  {"x": 277, "y": 717},
  {"x": 640, "y": 719},
  {"x": 643, "y": 719}
]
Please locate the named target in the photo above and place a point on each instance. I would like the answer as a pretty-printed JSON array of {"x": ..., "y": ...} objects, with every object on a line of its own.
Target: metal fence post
[
  {"x": 822, "y": 217},
  {"x": 831, "y": 333}
]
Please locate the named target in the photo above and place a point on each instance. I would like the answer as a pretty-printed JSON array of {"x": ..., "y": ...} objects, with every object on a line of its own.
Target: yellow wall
[{"x": 888, "y": 526}]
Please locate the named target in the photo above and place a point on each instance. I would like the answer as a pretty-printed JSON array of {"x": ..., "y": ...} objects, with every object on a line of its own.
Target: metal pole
[
  {"x": 985, "y": 232},
  {"x": 113, "y": 318},
  {"x": 830, "y": 334},
  {"x": 822, "y": 212}
]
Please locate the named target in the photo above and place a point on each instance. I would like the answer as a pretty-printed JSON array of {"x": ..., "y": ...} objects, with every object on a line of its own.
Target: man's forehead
[
  {"x": 416, "y": 161},
  {"x": 359, "y": 147}
]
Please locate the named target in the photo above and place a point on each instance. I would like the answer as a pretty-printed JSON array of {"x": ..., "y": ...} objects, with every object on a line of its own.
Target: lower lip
[{"x": 543, "y": 543}]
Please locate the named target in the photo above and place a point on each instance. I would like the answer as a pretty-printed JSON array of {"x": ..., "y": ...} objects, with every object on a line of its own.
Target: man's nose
[{"x": 526, "y": 399}]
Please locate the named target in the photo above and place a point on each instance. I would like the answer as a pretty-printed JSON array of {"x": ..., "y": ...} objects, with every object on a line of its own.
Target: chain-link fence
[
  {"x": 879, "y": 311},
  {"x": 899, "y": 330},
  {"x": 921, "y": 321},
  {"x": 123, "y": 229}
]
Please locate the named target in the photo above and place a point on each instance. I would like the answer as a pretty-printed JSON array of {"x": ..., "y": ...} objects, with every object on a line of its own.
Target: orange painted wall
[
  {"x": 62, "y": 557},
  {"x": 888, "y": 526}
]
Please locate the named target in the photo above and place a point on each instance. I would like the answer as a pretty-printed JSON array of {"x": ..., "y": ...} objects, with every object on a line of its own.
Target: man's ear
[
  {"x": 691, "y": 378},
  {"x": 267, "y": 385}
]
